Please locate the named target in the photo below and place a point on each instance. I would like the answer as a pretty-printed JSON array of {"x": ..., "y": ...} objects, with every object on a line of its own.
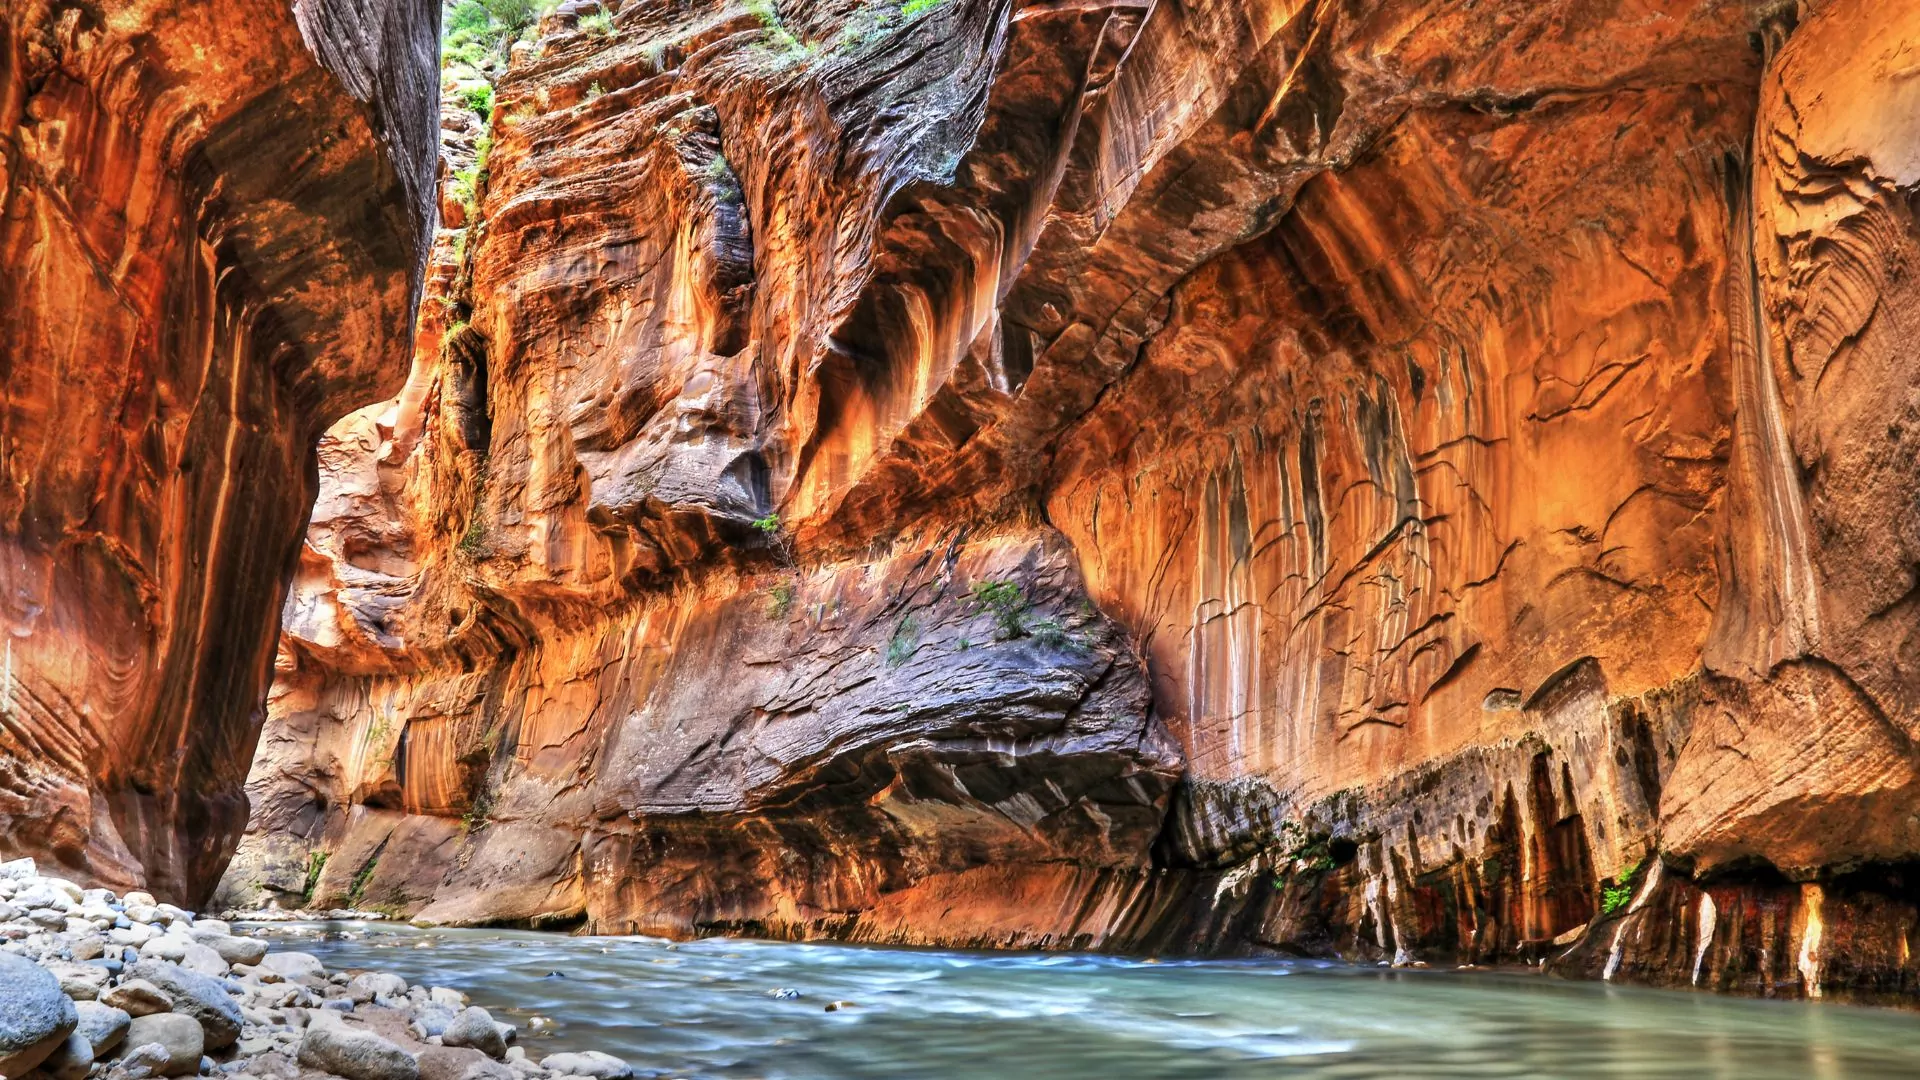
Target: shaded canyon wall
[
  {"x": 215, "y": 222},
  {"x": 1397, "y": 480}
]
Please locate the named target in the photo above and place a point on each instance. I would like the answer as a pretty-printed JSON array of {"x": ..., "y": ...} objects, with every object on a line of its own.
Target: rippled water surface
[{"x": 705, "y": 1009}]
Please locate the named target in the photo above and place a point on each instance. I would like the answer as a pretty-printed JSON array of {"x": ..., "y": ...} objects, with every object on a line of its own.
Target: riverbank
[{"x": 125, "y": 988}]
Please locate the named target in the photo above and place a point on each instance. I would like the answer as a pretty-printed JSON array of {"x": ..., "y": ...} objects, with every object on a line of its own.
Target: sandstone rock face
[
  {"x": 1394, "y": 480},
  {"x": 215, "y": 219}
]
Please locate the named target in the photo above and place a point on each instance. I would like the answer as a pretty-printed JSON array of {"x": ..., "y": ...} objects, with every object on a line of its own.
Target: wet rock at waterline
[{"x": 65, "y": 1020}]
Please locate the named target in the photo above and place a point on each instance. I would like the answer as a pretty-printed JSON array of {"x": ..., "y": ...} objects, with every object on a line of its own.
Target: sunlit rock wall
[
  {"x": 1462, "y": 443},
  {"x": 215, "y": 217}
]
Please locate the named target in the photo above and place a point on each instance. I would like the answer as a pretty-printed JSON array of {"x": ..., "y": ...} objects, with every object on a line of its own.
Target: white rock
[
  {"x": 17, "y": 869},
  {"x": 165, "y": 947},
  {"x": 208, "y": 928},
  {"x": 73, "y": 892},
  {"x": 204, "y": 959},
  {"x": 588, "y": 1063},
  {"x": 136, "y": 935},
  {"x": 139, "y": 897},
  {"x": 294, "y": 965},
  {"x": 170, "y": 914}
]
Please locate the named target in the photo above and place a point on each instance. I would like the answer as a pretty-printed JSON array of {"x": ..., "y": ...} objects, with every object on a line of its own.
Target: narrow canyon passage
[{"x": 1383, "y": 482}]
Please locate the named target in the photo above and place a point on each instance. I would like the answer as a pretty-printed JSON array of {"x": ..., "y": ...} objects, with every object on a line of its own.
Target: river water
[{"x": 707, "y": 1009}]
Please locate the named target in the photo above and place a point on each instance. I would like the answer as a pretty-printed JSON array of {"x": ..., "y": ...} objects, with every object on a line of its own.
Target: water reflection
[{"x": 709, "y": 1009}]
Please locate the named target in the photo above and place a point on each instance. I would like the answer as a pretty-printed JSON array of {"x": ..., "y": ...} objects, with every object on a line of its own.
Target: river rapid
[{"x": 720, "y": 1008}]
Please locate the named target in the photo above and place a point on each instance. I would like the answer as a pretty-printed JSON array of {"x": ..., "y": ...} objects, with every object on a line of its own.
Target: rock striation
[
  {"x": 215, "y": 223},
  {"x": 1397, "y": 480}
]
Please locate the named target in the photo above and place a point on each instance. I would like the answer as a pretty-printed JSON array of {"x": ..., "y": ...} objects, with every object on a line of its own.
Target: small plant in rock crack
[
  {"x": 1301, "y": 852},
  {"x": 914, "y": 7},
  {"x": 778, "y": 538},
  {"x": 1616, "y": 895},
  {"x": 598, "y": 24},
  {"x": 1050, "y": 633},
  {"x": 780, "y": 600},
  {"x": 905, "y": 641},
  {"x": 595, "y": 91},
  {"x": 1006, "y": 602},
  {"x": 316, "y": 865}
]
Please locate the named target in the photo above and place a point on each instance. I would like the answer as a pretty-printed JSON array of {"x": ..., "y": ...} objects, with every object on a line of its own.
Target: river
[{"x": 709, "y": 1009}]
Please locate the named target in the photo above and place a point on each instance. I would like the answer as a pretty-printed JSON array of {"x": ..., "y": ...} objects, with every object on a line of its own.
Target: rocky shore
[{"x": 125, "y": 988}]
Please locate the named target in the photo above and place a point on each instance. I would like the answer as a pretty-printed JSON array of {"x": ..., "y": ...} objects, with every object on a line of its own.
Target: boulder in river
[
  {"x": 474, "y": 1028},
  {"x": 588, "y": 1063}
]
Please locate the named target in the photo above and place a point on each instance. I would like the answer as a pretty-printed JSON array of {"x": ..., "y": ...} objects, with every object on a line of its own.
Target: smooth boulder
[
  {"x": 70, "y": 1060},
  {"x": 355, "y": 1054},
  {"x": 473, "y": 1028},
  {"x": 138, "y": 997},
  {"x": 294, "y": 965},
  {"x": 199, "y": 997},
  {"x": 588, "y": 1063},
  {"x": 35, "y": 1017},
  {"x": 238, "y": 950},
  {"x": 104, "y": 1026},
  {"x": 180, "y": 1035}
]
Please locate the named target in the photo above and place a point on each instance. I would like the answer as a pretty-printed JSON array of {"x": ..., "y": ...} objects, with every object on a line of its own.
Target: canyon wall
[
  {"x": 215, "y": 222},
  {"x": 1395, "y": 479}
]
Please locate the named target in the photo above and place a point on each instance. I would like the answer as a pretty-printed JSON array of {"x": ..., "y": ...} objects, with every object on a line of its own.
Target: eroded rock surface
[
  {"x": 215, "y": 219},
  {"x": 1398, "y": 480}
]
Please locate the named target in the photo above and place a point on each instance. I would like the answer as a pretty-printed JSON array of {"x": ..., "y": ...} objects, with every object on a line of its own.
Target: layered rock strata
[
  {"x": 860, "y": 456},
  {"x": 215, "y": 222}
]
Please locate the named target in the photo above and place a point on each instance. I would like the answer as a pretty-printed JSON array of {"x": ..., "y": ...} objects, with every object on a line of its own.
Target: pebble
[{"x": 129, "y": 988}]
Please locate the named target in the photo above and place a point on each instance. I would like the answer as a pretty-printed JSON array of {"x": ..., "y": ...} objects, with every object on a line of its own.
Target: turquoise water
[{"x": 703, "y": 1009}]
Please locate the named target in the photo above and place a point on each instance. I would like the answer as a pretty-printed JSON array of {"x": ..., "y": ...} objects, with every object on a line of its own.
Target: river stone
[
  {"x": 170, "y": 914},
  {"x": 460, "y": 1063},
  {"x": 70, "y": 1060},
  {"x": 199, "y": 997},
  {"x": 295, "y": 965},
  {"x": 355, "y": 1054},
  {"x": 210, "y": 928},
  {"x": 447, "y": 996},
  {"x": 165, "y": 947},
  {"x": 379, "y": 983},
  {"x": 35, "y": 1017},
  {"x": 138, "y": 997},
  {"x": 81, "y": 982},
  {"x": 432, "y": 1018},
  {"x": 139, "y": 1063},
  {"x": 204, "y": 960},
  {"x": 17, "y": 869},
  {"x": 177, "y": 1033},
  {"x": 103, "y": 1025},
  {"x": 239, "y": 950},
  {"x": 588, "y": 1063},
  {"x": 474, "y": 1028},
  {"x": 49, "y": 918}
]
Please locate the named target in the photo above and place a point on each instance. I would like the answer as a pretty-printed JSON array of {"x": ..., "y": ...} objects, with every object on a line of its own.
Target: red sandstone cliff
[
  {"x": 213, "y": 219},
  {"x": 1393, "y": 478}
]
